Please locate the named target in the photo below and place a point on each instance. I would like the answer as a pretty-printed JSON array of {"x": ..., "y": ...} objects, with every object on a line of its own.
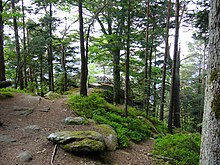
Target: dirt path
[{"x": 25, "y": 123}]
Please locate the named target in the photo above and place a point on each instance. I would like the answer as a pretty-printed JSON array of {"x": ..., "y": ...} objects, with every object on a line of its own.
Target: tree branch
[
  {"x": 5, "y": 3},
  {"x": 54, "y": 153}
]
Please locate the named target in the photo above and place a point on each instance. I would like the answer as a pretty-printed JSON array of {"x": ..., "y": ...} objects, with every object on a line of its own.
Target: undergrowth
[
  {"x": 181, "y": 148},
  {"x": 13, "y": 90},
  {"x": 133, "y": 128}
]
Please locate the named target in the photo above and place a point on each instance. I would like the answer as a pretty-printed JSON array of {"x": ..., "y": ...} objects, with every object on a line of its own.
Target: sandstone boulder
[{"x": 110, "y": 136}]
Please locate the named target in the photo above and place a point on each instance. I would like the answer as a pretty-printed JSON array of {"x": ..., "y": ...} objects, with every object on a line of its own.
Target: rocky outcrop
[
  {"x": 79, "y": 141},
  {"x": 79, "y": 121},
  {"x": 75, "y": 120}
]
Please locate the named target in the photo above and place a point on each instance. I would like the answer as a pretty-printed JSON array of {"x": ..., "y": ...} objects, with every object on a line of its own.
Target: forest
[{"x": 131, "y": 48}]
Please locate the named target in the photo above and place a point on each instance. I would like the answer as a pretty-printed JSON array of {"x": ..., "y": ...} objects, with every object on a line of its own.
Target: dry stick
[
  {"x": 54, "y": 153},
  {"x": 160, "y": 157}
]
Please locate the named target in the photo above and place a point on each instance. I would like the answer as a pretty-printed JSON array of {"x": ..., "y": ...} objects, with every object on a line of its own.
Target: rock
[
  {"x": 32, "y": 128},
  {"x": 52, "y": 95},
  {"x": 25, "y": 156},
  {"x": 46, "y": 109},
  {"x": 7, "y": 138},
  {"x": 75, "y": 120},
  {"x": 79, "y": 141},
  {"x": 23, "y": 111},
  {"x": 110, "y": 136}
]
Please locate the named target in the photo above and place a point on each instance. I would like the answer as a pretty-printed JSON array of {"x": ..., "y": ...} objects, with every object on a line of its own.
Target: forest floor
[{"x": 25, "y": 123}]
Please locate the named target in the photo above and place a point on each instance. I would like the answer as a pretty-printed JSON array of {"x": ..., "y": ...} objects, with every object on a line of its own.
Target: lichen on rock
[
  {"x": 214, "y": 75},
  {"x": 216, "y": 105},
  {"x": 75, "y": 120},
  {"x": 110, "y": 136}
]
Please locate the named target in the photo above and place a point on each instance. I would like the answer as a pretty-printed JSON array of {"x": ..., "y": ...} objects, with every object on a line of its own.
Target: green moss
[
  {"x": 106, "y": 129},
  {"x": 214, "y": 75},
  {"x": 216, "y": 105},
  {"x": 85, "y": 145}
]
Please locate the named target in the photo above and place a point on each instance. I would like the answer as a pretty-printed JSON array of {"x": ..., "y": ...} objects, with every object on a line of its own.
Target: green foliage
[
  {"x": 184, "y": 149},
  {"x": 86, "y": 106},
  {"x": 6, "y": 94},
  {"x": 13, "y": 90},
  {"x": 159, "y": 125},
  {"x": 97, "y": 108}
]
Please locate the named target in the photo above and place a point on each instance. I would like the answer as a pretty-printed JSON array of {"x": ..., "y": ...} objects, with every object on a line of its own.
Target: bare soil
[{"x": 23, "y": 110}]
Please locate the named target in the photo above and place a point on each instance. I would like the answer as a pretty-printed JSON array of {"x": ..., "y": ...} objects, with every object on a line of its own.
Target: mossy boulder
[
  {"x": 79, "y": 141},
  {"x": 110, "y": 136}
]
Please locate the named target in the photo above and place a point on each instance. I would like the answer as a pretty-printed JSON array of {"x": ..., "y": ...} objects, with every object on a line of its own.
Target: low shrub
[
  {"x": 182, "y": 148},
  {"x": 96, "y": 107}
]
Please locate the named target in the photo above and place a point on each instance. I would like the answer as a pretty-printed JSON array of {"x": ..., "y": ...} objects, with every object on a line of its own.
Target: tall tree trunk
[
  {"x": 25, "y": 46},
  {"x": 63, "y": 64},
  {"x": 19, "y": 73},
  {"x": 50, "y": 52},
  {"x": 2, "y": 61},
  {"x": 210, "y": 149},
  {"x": 162, "y": 100},
  {"x": 83, "y": 75},
  {"x": 199, "y": 92},
  {"x": 31, "y": 72},
  {"x": 127, "y": 62},
  {"x": 41, "y": 76},
  {"x": 176, "y": 104},
  {"x": 203, "y": 84},
  {"x": 173, "y": 78},
  {"x": 146, "y": 100},
  {"x": 155, "y": 90},
  {"x": 150, "y": 65},
  {"x": 116, "y": 76}
]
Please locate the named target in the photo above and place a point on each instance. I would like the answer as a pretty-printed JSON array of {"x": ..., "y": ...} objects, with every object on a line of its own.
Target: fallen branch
[
  {"x": 160, "y": 157},
  {"x": 54, "y": 153}
]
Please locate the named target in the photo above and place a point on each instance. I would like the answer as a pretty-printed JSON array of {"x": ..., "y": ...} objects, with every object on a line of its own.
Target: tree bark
[
  {"x": 63, "y": 64},
  {"x": 155, "y": 90},
  {"x": 176, "y": 104},
  {"x": 150, "y": 65},
  {"x": 116, "y": 76},
  {"x": 83, "y": 75},
  {"x": 173, "y": 79},
  {"x": 127, "y": 62},
  {"x": 210, "y": 148},
  {"x": 162, "y": 102},
  {"x": 25, "y": 46},
  {"x": 50, "y": 52},
  {"x": 146, "y": 100},
  {"x": 2, "y": 61}
]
